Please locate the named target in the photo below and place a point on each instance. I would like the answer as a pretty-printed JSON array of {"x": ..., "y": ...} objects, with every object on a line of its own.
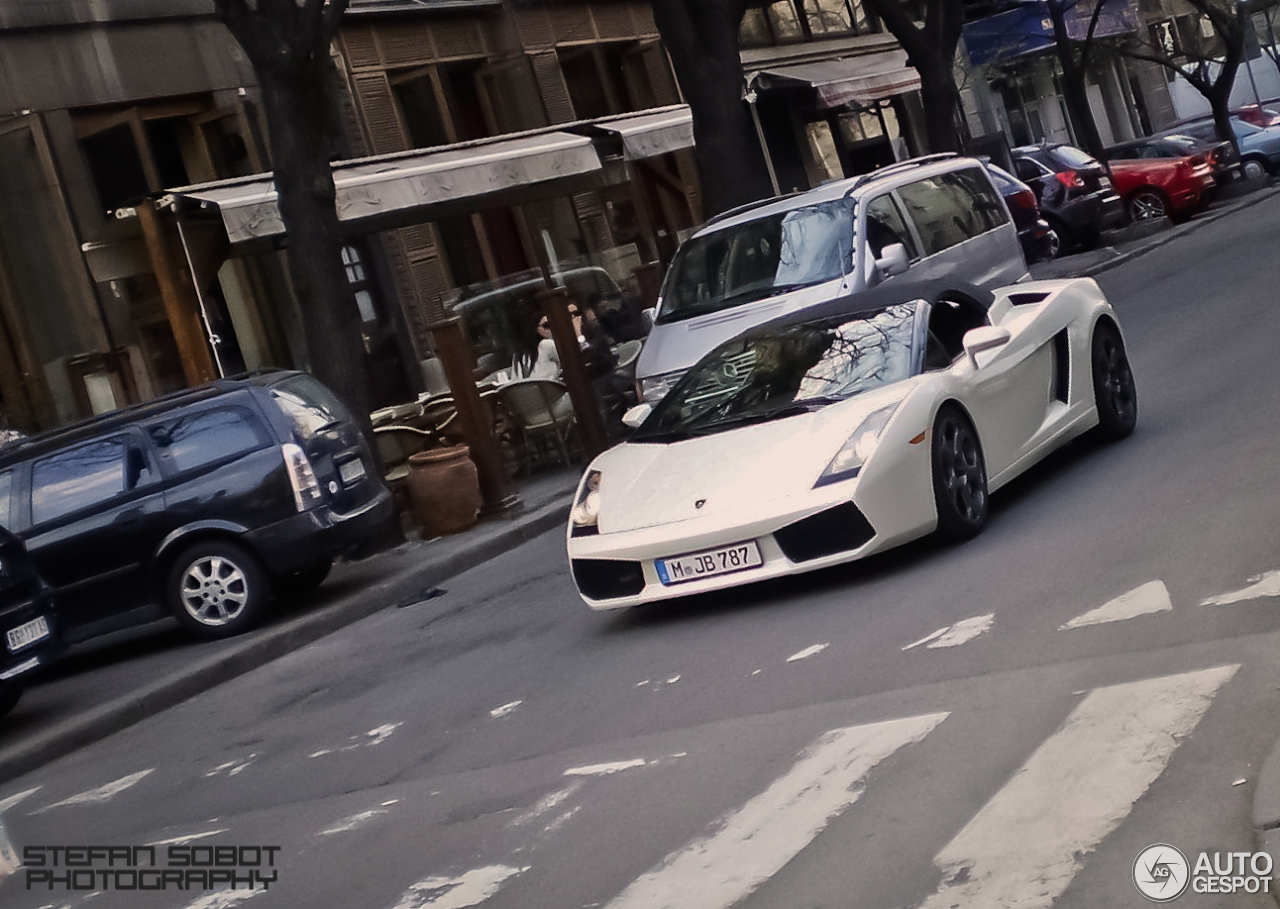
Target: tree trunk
[
  {"x": 701, "y": 37},
  {"x": 299, "y": 119}
]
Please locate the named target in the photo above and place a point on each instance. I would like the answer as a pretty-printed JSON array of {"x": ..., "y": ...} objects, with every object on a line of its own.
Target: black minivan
[{"x": 205, "y": 503}]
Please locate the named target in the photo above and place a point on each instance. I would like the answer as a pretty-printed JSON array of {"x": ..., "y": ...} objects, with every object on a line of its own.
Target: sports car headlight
[
  {"x": 857, "y": 448},
  {"x": 586, "y": 509}
]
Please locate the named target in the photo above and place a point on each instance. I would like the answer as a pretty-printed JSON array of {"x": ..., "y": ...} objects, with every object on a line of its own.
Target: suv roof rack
[{"x": 858, "y": 181}]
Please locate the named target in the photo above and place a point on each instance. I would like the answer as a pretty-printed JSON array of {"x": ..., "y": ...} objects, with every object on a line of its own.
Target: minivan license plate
[
  {"x": 726, "y": 559},
  {"x": 35, "y": 630},
  {"x": 351, "y": 471}
]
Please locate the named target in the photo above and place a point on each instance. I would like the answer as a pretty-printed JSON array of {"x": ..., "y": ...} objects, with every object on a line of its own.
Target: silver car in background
[{"x": 932, "y": 217}]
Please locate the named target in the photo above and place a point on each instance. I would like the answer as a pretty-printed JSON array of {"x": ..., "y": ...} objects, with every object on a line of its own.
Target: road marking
[
  {"x": 223, "y": 899},
  {"x": 957, "y": 634},
  {"x": 807, "y": 652},
  {"x": 231, "y": 768},
  {"x": 1263, "y": 585},
  {"x": 189, "y": 838},
  {"x": 753, "y": 842},
  {"x": 467, "y": 889},
  {"x": 505, "y": 709},
  {"x": 547, "y": 804},
  {"x": 1026, "y": 844},
  {"x": 1150, "y": 597},
  {"x": 351, "y": 822},
  {"x": 605, "y": 769},
  {"x": 375, "y": 736},
  {"x": 17, "y": 797},
  {"x": 101, "y": 794}
]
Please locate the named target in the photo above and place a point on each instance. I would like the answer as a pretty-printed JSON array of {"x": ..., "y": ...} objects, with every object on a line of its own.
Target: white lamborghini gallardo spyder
[{"x": 845, "y": 429}]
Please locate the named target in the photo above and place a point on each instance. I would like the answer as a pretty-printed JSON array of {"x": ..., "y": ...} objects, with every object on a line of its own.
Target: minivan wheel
[
  {"x": 1252, "y": 167},
  {"x": 217, "y": 589}
]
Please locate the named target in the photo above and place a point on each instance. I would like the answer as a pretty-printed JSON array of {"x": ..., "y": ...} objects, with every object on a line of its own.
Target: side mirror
[
  {"x": 893, "y": 260},
  {"x": 636, "y": 415},
  {"x": 648, "y": 316},
  {"x": 988, "y": 337}
]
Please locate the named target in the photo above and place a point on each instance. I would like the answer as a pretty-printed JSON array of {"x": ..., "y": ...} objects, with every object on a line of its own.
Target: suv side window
[
  {"x": 197, "y": 439},
  {"x": 88, "y": 475},
  {"x": 311, "y": 406},
  {"x": 947, "y": 209},
  {"x": 885, "y": 226}
]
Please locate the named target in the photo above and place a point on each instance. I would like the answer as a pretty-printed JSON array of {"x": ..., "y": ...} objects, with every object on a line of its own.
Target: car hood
[
  {"x": 736, "y": 473},
  {"x": 679, "y": 344}
]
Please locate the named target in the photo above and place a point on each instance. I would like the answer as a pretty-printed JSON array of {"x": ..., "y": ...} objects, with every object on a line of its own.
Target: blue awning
[{"x": 1027, "y": 29}]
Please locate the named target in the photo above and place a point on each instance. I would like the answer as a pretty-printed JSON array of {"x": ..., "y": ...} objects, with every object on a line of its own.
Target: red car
[
  {"x": 1159, "y": 187},
  {"x": 1257, "y": 115}
]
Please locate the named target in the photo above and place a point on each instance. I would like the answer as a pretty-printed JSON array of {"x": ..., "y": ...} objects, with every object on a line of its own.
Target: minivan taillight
[{"x": 306, "y": 488}]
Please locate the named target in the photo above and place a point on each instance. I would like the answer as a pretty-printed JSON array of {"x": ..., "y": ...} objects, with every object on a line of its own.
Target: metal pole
[{"x": 750, "y": 98}]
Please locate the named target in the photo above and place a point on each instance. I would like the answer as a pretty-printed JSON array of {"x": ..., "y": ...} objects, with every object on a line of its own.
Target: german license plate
[
  {"x": 35, "y": 630},
  {"x": 351, "y": 471},
  {"x": 694, "y": 565}
]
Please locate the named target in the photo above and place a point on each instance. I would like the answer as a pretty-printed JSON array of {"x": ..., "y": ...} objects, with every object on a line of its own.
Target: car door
[
  {"x": 95, "y": 515},
  {"x": 1011, "y": 392}
]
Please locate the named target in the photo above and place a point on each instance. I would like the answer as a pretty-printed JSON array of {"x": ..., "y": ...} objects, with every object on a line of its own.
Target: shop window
[
  {"x": 462, "y": 250},
  {"x": 441, "y": 105},
  {"x": 358, "y": 283},
  {"x": 606, "y": 79},
  {"x": 420, "y": 106},
  {"x": 787, "y": 21},
  {"x": 115, "y": 167},
  {"x": 133, "y": 153}
]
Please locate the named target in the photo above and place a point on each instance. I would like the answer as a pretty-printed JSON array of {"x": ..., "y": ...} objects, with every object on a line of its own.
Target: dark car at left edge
[
  {"x": 28, "y": 626},
  {"x": 205, "y": 504}
]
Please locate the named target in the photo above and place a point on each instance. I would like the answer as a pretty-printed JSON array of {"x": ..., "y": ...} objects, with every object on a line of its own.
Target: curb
[{"x": 265, "y": 645}]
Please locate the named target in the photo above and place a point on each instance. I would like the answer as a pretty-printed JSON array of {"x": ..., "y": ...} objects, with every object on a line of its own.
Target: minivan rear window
[
  {"x": 311, "y": 406},
  {"x": 759, "y": 258}
]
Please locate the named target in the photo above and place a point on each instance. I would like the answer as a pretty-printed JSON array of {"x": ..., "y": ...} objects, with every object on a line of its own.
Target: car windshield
[
  {"x": 759, "y": 258},
  {"x": 773, "y": 373}
]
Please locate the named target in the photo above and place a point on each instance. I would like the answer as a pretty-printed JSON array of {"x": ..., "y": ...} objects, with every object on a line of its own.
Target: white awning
[
  {"x": 851, "y": 80},
  {"x": 394, "y": 186},
  {"x": 651, "y": 134}
]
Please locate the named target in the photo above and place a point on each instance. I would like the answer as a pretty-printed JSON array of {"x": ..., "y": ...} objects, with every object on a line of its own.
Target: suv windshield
[
  {"x": 758, "y": 259},
  {"x": 774, "y": 373}
]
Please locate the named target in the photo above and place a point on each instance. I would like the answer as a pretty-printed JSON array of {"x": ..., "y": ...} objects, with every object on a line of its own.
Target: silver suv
[{"x": 931, "y": 217}]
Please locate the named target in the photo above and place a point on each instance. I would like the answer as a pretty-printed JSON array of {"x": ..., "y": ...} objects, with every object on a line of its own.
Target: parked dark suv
[
  {"x": 205, "y": 503},
  {"x": 28, "y": 626},
  {"x": 1075, "y": 194}
]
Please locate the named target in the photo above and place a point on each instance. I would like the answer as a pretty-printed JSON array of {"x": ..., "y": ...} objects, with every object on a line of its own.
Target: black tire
[
  {"x": 217, "y": 589},
  {"x": 303, "y": 581},
  {"x": 1148, "y": 205},
  {"x": 1114, "y": 392},
  {"x": 959, "y": 475},
  {"x": 1253, "y": 167},
  {"x": 1066, "y": 237},
  {"x": 10, "y": 693}
]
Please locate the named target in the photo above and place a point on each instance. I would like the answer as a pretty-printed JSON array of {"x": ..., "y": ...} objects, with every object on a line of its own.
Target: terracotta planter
[{"x": 445, "y": 490}]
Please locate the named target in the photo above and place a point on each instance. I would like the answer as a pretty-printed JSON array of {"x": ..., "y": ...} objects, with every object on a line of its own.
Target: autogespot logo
[{"x": 1161, "y": 873}]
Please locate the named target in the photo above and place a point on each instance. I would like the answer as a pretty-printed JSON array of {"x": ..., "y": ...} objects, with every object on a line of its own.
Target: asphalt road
[{"x": 808, "y": 743}]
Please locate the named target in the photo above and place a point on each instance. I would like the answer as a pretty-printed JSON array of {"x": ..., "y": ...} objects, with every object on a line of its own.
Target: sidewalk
[{"x": 97, "y": 692}]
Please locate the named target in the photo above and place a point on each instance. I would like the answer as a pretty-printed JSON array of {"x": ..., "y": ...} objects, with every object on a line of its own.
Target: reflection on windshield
[
  {"x": 758, "y": 259},
  {"x": 770, "y": 374}
]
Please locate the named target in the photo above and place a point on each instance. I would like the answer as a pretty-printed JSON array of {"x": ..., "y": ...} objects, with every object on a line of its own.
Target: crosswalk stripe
[
  {"x": 754, "y": 842},
  {"x": 1147, "y": 598},
  {"x": 1024, "y": 847}
]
